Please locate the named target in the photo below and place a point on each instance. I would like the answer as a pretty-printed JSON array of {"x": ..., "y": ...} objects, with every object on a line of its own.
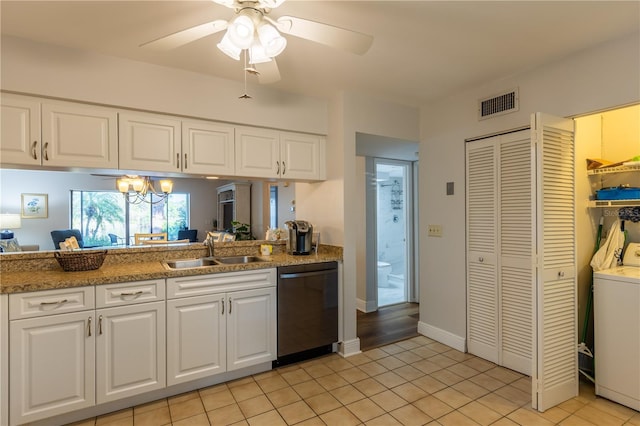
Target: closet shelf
[
  {"x": 617, "y": 169},
  {"x": 614, "y": 203}
]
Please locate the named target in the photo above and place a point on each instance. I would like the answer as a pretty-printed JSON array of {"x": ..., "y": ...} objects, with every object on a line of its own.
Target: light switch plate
[{"x": 434, "y": 230}]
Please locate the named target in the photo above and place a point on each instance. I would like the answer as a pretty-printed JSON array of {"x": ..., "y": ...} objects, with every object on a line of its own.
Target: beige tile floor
[{"x": 412, "y": 382}]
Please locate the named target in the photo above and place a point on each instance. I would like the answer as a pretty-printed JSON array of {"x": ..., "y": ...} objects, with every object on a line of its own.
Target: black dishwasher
[{"x": 307, "y": 311}]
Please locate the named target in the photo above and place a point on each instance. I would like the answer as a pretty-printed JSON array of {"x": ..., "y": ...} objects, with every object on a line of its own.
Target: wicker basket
[{"x": 80, "y": 261}]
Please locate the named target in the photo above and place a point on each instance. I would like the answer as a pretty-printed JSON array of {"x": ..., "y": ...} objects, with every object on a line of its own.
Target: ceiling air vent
[{"x": 498, "y": 105}]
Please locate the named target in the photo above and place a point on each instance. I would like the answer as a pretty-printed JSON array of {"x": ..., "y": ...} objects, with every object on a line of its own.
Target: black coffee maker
[{"x": 300, "y": 237}]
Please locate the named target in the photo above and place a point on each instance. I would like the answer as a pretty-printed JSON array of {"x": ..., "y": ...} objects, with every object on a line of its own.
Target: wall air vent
[{"x": 503, "y": 103}]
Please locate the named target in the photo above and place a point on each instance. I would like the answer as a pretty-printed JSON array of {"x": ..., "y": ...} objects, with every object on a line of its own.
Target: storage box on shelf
[{"x": 614, "y": 198}]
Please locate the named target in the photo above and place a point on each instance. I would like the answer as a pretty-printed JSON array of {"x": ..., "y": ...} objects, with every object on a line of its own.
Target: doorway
[{"x": 393, "y": 225}]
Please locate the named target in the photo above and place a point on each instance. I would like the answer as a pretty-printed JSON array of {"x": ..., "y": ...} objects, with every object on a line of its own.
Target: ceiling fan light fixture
[
  {"x": 228, "y": 48},
  {"x": 271, "y": 39},
  {"x": 241, "y": 31},
  {"x": 257, "y": 54},
  {"x": 271, "y": 4},
  {"x": 227, "y": 3}
]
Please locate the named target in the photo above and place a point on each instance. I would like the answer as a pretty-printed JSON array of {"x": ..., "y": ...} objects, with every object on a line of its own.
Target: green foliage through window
[{"x": 104, "y": 218}]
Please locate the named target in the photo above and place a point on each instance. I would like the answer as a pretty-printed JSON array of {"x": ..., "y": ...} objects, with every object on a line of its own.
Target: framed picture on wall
[{"x": 34, "y": 206}]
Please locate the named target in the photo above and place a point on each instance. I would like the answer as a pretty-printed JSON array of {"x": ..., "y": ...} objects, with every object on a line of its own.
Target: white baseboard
[
  {"x": 349, "y": 348},
  {"x": 442, "y": 336},
  {"x": 366, "y": 306}
]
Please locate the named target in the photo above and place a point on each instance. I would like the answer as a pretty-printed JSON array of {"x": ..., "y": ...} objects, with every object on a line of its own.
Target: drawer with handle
[
  {"x": 129, "y": 293},
  {"x": 49, "y": 302}
]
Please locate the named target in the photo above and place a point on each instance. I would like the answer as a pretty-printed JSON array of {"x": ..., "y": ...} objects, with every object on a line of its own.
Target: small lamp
[{"x": 9, "y": 221}]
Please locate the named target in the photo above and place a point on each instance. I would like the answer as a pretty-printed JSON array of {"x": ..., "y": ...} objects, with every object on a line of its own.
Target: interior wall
[
  {"x": 49, "y": 70},
  {"x": 57, "y": 185},
  {"x": 361, "y": 233},
  {"x": 592, "y": 80}
]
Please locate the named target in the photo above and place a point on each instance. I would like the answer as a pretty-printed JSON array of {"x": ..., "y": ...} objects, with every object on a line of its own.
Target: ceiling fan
[{"x": 252, "y": 31}]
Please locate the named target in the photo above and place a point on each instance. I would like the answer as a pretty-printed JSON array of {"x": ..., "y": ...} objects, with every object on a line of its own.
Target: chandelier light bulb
[
  {"x": 166, "y": 186},
  {"x": 137, "y": 184},
  {"x": 123, "y": 185}
]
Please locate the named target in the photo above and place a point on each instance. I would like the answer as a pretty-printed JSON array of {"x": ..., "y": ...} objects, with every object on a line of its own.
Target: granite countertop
[{"x": 32, "y": 271}]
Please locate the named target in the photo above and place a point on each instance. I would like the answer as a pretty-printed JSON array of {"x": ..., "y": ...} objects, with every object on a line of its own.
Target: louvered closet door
[
  {"x": 482, "y": 292},
  {"x": 555, "y": 375},
  {"x": 516, "y": 251}
]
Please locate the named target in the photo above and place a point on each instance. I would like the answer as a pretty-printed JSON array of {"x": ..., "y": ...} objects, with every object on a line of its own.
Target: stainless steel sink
[
  {"x": 190, "y": 263},
  {"x": 234, "y": 260}
]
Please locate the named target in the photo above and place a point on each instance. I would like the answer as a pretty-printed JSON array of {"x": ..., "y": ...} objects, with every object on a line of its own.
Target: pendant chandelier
[{"x": 140, "y": 189}]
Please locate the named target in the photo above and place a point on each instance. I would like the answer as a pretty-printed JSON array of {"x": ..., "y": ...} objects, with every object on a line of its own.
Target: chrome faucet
[{"x": 209, "y": 243}]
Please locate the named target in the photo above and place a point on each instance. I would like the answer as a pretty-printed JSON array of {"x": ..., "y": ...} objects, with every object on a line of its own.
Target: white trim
[
  {"x": 366, "y": 306},
  {"x": 350, "y": 348},
  {"x": 456, "y": 342}
]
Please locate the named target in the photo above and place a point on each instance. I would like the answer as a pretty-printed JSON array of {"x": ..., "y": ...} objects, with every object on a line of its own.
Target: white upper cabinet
[
  {"x": 58, "y": 134},
  {"x": 77, "y": 135},
  {"x": 272, "y": 154},
  {"x": 150, "y": 142},
  {"x": 257, "y": 152},
  {"x": 20, "y": 132},
  {"x": 302, "y": 156},
  {"x": 207, "y": 148}
]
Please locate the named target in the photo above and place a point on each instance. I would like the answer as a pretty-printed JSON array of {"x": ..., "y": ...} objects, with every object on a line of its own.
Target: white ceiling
[{"x": 422, "y": 50}]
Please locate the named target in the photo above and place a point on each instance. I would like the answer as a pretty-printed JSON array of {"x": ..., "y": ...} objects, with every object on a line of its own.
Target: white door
[
  {"x": 196, "y": 338},
  {"x": 130, "y": 350},
  {"x": 555, "y": 363},
  {"x": 208, "y": 148},
  {"x": 482, "y": 276},
  {"x": 516, "y": 249},
  {"x": 257, "y": 153},
  {"x": 52, "y": 365},
  {"x": 20, "y": 130},
  {"x": 300, "y": 156},
  {"x": 79, "y": 136},
  {"x": 251, "y": 327},
  {"x": 150, "y": 142}
]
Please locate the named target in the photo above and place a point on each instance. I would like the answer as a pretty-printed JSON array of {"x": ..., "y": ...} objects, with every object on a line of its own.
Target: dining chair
[{"x": 151, "y": 238}]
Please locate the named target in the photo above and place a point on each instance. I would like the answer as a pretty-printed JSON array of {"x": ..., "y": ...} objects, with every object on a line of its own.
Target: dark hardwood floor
[{"x": 387, "y": 325}]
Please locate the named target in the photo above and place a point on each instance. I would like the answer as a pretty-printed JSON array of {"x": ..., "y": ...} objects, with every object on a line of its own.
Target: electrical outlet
[{"x": 434, "y": 230}]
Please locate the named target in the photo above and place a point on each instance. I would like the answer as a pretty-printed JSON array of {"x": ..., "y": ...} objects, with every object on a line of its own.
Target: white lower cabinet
[
  {"x": 65, "y": 355},
  {"x": 130, "y": 350},
  {"x": 51, "y": 353},
  {"x": 52, "y": 364},
  {"x": 218, "y": 323},
  {"x": 196, "y": 337}
]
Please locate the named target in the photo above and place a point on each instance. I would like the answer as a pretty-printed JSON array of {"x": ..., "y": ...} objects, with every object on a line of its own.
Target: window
[{"x": 104, "y": 218}]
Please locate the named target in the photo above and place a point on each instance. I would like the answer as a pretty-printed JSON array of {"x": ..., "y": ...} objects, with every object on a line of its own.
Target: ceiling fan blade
[
  {"x": 326, "y": 34},
  {"x": 268, "y": 72},
  {"x": 180, "y": 38}
]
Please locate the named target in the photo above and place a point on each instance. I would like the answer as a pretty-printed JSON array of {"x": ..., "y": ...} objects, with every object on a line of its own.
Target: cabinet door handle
[
  {"x": 178, "y": 161},
  {"x": 100, "y": 324},
  {"x": 185, "y": 161},
  {"x": 481, "y": 259},
  {"x": 33, "y": 150},
  {"x": 89, "y": 327},
  {"x": 229, "y": 306},
  {"x": 284, "y": 168},
  {"x": 278, "y": 163},
  {"x": 132, "y": 293},
  {"x": 46, "y": 152},
  {"x": 561, "y": 274},
  {"x": 222, "y": 302},
  {"x": 57, "y": 302}
]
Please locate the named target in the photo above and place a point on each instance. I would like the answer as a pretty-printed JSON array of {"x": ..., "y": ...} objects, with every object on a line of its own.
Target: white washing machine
[{"x": 617, "y": 330}]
